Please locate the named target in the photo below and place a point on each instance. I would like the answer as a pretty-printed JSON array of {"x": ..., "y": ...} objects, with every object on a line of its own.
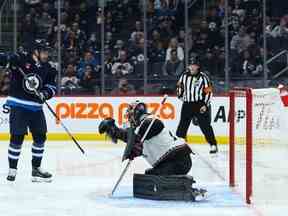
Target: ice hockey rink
[{"x": 82, "y": 184}]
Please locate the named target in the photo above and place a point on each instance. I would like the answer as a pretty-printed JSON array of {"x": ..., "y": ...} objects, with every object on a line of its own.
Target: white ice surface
[{"x": 81, "y": 186}]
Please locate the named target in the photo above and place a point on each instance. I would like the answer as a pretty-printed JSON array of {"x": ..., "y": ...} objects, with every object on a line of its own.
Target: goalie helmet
[{"x": 135, "y": 111}]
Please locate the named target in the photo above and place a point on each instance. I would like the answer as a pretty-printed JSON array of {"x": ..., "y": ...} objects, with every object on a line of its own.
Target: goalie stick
[
  {"x": 53, "y": 113},
  {"x": 142, "y": 140}
]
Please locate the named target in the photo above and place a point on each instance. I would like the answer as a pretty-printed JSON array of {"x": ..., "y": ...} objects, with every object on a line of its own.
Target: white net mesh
[{"x": 268, "y": 117}]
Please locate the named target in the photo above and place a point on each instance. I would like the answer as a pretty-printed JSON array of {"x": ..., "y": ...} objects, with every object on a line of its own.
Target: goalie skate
[{"x": 199, "y": 194}]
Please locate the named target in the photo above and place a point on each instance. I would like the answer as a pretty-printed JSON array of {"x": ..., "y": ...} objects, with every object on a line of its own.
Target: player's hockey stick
[
  {"x": 142, "y": 140},
  {"x": 53, "y": 113}
]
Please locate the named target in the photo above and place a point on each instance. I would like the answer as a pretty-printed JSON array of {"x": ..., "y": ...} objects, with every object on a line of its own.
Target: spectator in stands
[
  {"x": 94, "y": 43},
  {"x": 181, "y": 39},
  {"x": 71, "y": 57},
  {"x": 119, "y": 46},
  {"x": 165, "y": 8},
  {"x": 29, "y": 30},
  {"x": 124, "y": 88},
  {"x": 109, "y": 40},
  {"x": 89, "y": 59},
  {"x": 136, "y": 38},
  {"x": 157, "y": 4},
  {"x": 82, "y": 21},
  {"x": 137, "y": 52},
  {"x": 46, "y": 7},
  {"x": 69, "y": 80},
  {"x": 221, "y": 8},
  {"x": 33, "y": 12},
  {"x": 67, "y": 8},
  {"x": 79, "y": 34},
  {"x": 110, "y": 25},
  {"x": 252, "y": 7},
  {"x": 122, "y": 67},
  {"x": 89, "y": 80},
  {"x": 173, "y": 67},
  {"x": 70, "y": 40},
  {"x": 108, "y": 62},
  {"x": 201, "y": 44},
  {"x": 44, "y": 25},
  {"x": 210, "y": 61},
  {"x": 234, "y": 26},
  {"x": 203, "y": 28},
  {"x": 150, "y": 8},
  {"x": 251, "y": 65},
  {"x": 157, "y": 53},
  {"x": 241, "y": 41},
  {"x": 174, "y": 45},
  {"x": 138, "y": 28},
  {"x": 282, "y": 29},
  {"x": 214, "y": 17},
  {"x": 214, "y": 37},
  {"x": 239, "y": 9},
  {"x": 166, "y": 30}
]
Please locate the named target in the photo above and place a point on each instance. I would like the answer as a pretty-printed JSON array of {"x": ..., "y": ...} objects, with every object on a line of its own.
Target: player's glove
[
  {"x": 109, "y": 127},
  {"x": 43, "y": 95}
]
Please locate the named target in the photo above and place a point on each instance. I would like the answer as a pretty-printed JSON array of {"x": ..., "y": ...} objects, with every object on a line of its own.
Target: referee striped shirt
[{"x": 196, "y": 88}]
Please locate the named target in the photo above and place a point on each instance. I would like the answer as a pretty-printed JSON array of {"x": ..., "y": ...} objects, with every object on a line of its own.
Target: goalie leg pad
[{"x": 155, "y": 187}]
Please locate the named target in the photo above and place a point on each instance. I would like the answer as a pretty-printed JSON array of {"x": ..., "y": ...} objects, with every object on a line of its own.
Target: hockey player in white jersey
[{"x": 168, "y": 156}]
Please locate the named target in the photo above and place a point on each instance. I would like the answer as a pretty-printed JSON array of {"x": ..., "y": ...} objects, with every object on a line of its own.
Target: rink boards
[{"x": 82, "y": 116}]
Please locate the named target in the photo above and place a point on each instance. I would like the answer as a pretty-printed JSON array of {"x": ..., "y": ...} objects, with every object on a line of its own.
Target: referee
[{"x": 195, "y": 90}]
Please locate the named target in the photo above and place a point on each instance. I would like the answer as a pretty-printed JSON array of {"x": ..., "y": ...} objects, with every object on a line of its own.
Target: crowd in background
[{"x": 81, "y": 26}]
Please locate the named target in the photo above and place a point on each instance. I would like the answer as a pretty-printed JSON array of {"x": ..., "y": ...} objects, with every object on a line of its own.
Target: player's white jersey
[{"x": 158, "y": 147}]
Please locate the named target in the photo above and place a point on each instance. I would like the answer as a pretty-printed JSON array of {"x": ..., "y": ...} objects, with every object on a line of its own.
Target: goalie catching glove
[{"x": 108, "y": 126}]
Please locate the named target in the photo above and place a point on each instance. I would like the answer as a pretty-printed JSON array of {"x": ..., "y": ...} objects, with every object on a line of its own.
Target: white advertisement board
[{"x": 82, "y": 115}]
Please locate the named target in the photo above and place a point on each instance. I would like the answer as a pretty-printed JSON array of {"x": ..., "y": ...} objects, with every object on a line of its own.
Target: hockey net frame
[
  {"x": 264, "y": 125},
  {"x": 247, "y": 93}
]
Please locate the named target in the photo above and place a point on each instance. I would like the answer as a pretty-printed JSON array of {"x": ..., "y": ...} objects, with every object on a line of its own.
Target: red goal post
[{"x": 247, "y": 93}]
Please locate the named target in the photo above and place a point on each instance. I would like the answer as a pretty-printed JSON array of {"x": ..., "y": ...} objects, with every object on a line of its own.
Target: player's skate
[
  {"x": 38, "y": 175},
  {"x": 11, "y": 175},
  {"x": 213, "y": 149}
]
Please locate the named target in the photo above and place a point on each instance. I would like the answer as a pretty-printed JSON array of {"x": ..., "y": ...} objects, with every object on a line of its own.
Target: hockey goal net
[{"x": 263, "y": 126}]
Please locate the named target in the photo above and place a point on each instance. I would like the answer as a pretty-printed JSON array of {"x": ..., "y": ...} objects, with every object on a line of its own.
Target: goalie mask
[{"x": 135, "y": 111}]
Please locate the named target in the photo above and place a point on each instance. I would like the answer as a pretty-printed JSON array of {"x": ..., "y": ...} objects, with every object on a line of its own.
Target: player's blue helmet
[{"x": 40, "y": 45}]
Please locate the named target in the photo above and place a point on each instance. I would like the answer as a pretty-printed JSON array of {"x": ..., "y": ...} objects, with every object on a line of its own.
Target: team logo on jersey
[{"x": 32, "y": 82}]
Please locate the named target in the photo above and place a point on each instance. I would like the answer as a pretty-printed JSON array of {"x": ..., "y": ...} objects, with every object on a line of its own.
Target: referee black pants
[{"x": 190, "y": 110}]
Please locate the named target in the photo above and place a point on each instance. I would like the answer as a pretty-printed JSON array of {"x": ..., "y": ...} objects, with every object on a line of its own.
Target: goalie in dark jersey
[
  {"x": 168, "y": 155},
  {"x": 27, "y": 93}
]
